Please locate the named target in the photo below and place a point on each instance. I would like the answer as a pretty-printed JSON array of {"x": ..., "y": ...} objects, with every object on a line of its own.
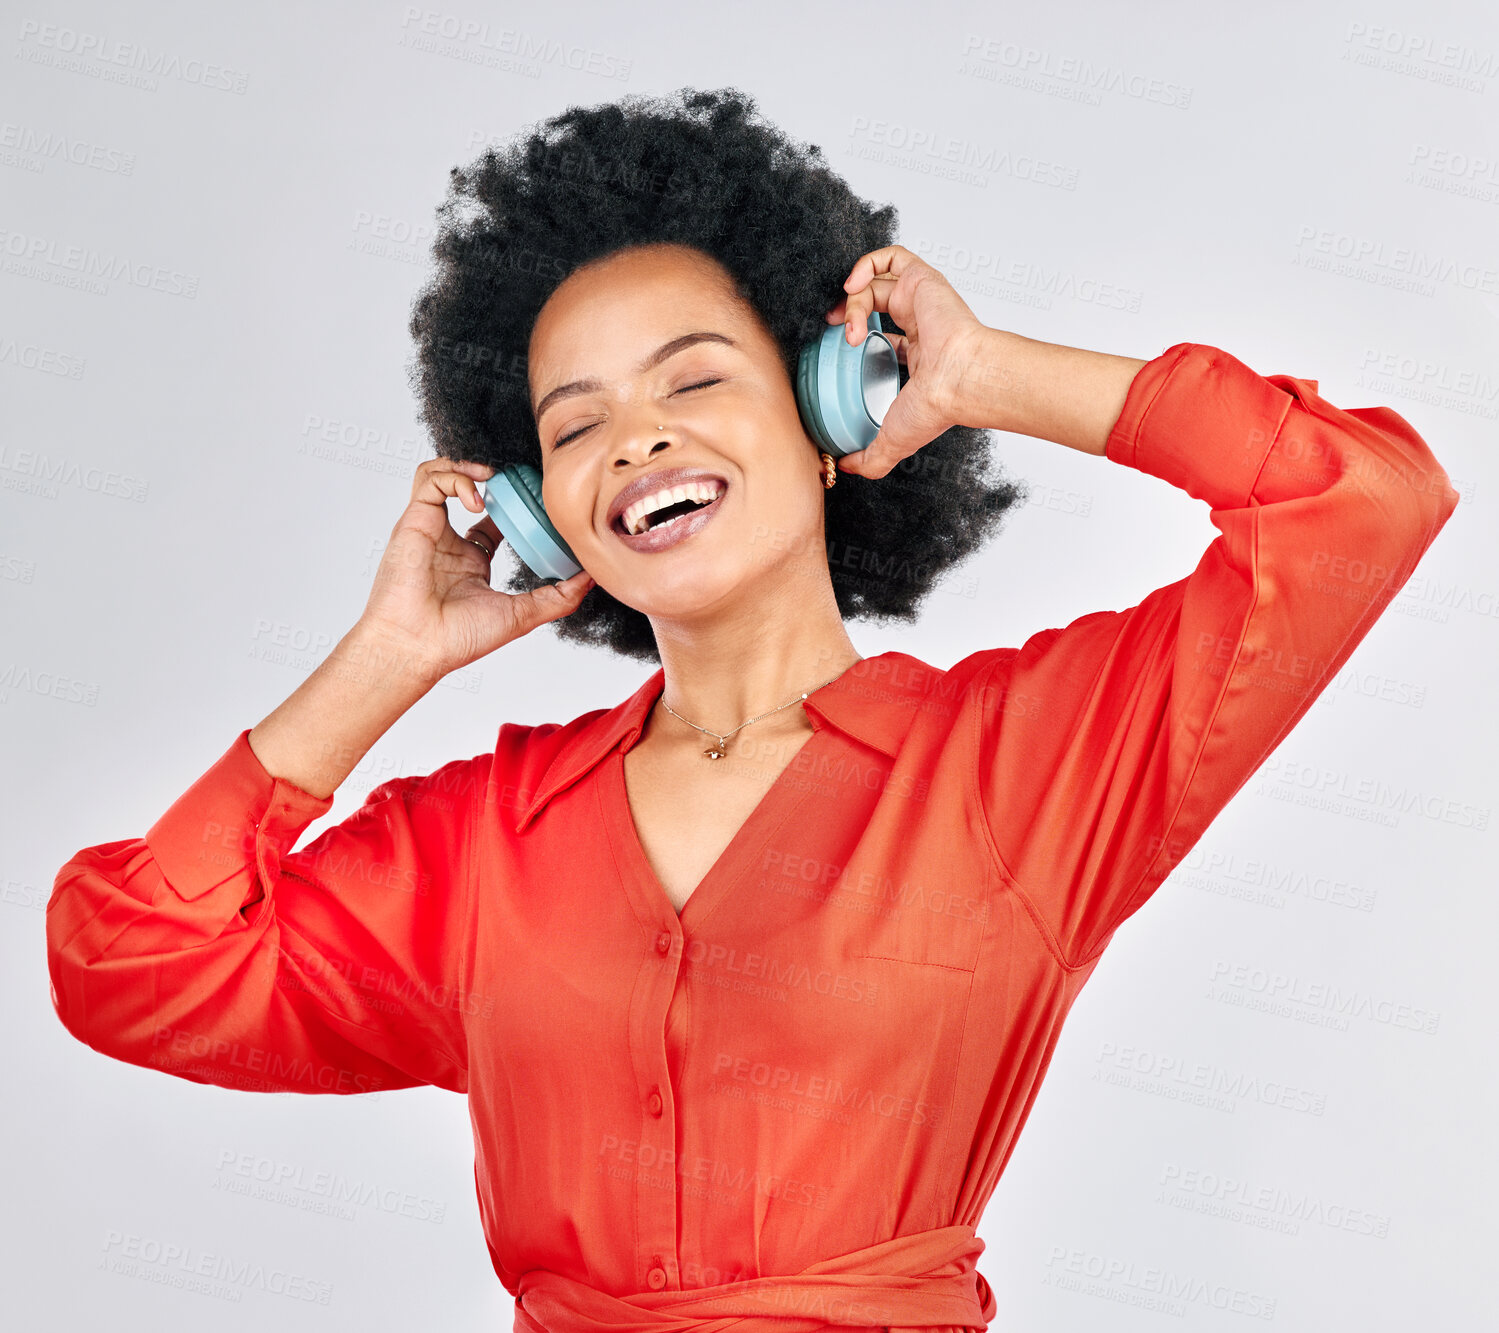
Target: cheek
[
  {"x": 568, "y": 498},
  {"x": 783, "y": 521}
]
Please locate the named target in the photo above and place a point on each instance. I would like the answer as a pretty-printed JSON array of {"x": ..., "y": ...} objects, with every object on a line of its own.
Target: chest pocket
[{"x": 905, "y": 918}]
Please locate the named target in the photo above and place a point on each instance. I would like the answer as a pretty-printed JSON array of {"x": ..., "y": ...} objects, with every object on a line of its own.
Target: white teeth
[{"x": 634, "y": 518}]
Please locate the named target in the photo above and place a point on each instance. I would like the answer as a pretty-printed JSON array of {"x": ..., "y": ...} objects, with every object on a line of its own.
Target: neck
[{"x": 725, "y": 671}]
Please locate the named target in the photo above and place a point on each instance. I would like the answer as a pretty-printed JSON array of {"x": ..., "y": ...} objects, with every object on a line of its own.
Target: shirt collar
[{"x": 874, "y": 701}]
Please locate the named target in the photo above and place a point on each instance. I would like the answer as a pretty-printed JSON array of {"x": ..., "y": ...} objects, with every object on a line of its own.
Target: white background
[{"x": 177, "y": 552}]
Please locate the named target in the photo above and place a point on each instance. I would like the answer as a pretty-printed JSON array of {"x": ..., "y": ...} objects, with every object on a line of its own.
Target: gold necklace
[{"x": 719, "y": 751}]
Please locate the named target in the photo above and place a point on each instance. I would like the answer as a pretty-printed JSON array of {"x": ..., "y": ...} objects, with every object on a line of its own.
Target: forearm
[
  {"x": 1053, "y": 392},
  {"x": 331, "y": 721}
]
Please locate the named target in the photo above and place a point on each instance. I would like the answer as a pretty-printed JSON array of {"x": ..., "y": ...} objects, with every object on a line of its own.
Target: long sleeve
[
  {"x": 1108, "y": 747},
  {"x": 209, "y": 950}
]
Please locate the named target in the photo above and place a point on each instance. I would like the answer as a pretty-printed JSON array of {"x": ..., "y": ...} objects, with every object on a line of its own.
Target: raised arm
[
  {"x": 1108, "y": 747},
  {"x": 210, "y": 950}
]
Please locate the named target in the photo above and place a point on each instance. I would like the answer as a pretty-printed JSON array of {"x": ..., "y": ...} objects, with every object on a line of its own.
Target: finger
[
  {"x": 875, "y": 461},
  {"x": 486, "y": 527},
  {"x": 551, "y": 601},
  {"x": 861, "y": 304},
  {"x": 505, "y": 616},
  {"x": 890, "y": 259},
  {"x": 439, "y": 479},
  {"x": 430, "y": 468},
  {"x": 837, "y": 313},
  {"x": 891, "y": 445},
  {"x": 484, "y": 537},
  {"x": 470, "y": 466}
]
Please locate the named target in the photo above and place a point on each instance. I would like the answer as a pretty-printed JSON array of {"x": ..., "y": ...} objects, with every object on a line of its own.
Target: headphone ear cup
[
  {"x": 843, "y": 392},
  {"x": 525, "y": 474},
  {"x": 807, "y": 398},
  {"x": 513, "y": 499}
]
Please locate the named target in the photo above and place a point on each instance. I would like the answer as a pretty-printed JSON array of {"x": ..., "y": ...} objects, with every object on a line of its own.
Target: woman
[{"x": 751, "y": 979}]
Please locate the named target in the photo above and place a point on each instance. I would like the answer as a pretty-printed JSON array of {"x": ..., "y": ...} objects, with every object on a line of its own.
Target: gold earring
[{"x": 829, "y": 471}]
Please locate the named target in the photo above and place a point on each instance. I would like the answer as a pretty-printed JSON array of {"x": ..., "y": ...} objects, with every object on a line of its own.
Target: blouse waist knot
[{"x": 928, "y": 1280}]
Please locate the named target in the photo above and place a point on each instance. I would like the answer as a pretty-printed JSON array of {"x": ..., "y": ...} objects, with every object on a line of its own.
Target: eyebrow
[{"x": 667, "y": 349}]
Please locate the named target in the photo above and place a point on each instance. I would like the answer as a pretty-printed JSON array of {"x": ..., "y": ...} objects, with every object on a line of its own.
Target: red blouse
[{"x": 795, "y": 1099}]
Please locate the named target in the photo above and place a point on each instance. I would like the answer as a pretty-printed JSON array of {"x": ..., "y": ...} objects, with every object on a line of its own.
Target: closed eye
[{"x": 583, "y": 429}]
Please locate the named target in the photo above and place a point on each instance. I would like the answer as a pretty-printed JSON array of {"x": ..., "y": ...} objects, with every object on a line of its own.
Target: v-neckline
[{"x": 648, "y": 894}]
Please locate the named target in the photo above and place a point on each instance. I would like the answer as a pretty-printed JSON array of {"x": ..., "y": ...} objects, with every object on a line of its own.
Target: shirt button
[
  {"x": 657, "y": 1276},
  {"x": 663, "y": 942},
  {"x": 654, "y": 1105}
]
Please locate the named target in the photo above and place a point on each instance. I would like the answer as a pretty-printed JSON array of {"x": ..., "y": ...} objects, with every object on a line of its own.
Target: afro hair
[{"x": 699, "y": 169}]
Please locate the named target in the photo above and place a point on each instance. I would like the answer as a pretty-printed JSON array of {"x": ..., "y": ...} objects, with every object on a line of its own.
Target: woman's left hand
[{"x": 941, "y": 337}]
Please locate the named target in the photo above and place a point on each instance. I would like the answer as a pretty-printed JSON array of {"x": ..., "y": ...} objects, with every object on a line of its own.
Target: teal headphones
[{"x": 842, "y": 394}]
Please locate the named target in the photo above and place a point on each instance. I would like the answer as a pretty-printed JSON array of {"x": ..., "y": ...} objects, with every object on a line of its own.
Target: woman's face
[{"x": 626, "y": 412}]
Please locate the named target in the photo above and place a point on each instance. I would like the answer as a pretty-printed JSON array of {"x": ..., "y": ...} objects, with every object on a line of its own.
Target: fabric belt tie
[{"x": 928, "y": 1280}]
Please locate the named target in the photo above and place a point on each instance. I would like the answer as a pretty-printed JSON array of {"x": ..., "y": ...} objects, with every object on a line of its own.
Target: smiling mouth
[
  {"x": 666, "y": 515},
  {"x": 670, "y": 524}
]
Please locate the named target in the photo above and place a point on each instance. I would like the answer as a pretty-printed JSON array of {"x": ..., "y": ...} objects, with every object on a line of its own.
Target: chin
[{"x": 687, "y": 593}]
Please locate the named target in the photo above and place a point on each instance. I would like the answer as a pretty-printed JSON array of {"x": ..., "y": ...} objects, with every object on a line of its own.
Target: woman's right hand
[{"x": 432, "y": 590}]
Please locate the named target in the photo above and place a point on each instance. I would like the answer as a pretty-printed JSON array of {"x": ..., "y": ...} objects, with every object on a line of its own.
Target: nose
[
  {"x": 630, "y": 454},
  {"x": 642, "y": 436}
]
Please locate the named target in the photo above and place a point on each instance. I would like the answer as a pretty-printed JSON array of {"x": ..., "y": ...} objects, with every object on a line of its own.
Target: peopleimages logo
[
  {"x": 30, "y": 256},
  {"x": 1148, "y": 1287},
  {"x": 497, "y": 46},
  {"x": 1401, "y": 266},
  {"x": 326, "y": 1192},
  {"x": 176, "y": 1049},
  {"x": 1308, "y": 999},
  {"x": 202, "y": 1272},
  {"x": 929, "y": 150},
  {"x": 1038, "y": 69},
  {"x": 23, "y": 144},
  {"x": 43, "y": 360},
  {"x": 1269, "y": 1206},
  {"x": 94, "y": 53}
]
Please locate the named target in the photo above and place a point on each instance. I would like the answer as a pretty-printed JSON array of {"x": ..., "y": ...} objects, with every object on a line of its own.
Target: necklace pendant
[{"x": 714, "y": 753}]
